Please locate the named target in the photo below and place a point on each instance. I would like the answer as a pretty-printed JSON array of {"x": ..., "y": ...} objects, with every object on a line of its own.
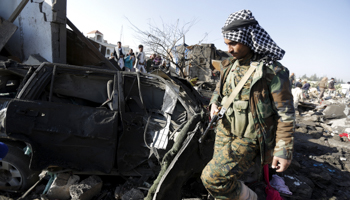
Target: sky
[{"x": 314, "y": 33}]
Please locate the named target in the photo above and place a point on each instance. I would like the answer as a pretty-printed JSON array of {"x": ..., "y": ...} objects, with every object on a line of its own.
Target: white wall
[{"x": 33, "y": 35}]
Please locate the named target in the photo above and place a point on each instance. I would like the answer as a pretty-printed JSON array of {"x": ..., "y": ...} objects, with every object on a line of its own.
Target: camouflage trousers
[{"x": 232, "y": 157}]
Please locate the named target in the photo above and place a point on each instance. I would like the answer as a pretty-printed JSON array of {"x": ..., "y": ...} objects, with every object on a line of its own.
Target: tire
[{"x": 15, "y": 174}]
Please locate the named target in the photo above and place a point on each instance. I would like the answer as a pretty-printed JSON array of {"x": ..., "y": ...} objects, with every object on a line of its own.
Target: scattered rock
[
  {"x": 133, "y": 194},
  {"x": 316, "y": 134},
  {"x": 306, "y": 180},
  {"x": 344, "y": 122},
  {"x": 295, "y": 165},
  {"x": 313, "y": 118},
  {"x": 326, "y": 127},
  {"x": 86, "y": 189},
  {"x": 298, "y": 187},
  {"x": 302, "y": 130},
  {"x": 60, "y": 186},
  {"x": 322, "y": 177},
  {"x": 347, "y": 166},
  {"x": 319, "y": 129},
  {"x": 337, "y": 137}
]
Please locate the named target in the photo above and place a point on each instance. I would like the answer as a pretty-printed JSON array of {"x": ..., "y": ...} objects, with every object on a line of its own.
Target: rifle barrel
[{"x": 212, "y": 121}]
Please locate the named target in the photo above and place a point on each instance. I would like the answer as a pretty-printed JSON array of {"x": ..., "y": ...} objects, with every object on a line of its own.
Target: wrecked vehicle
[{"x": 102, "y": 121}]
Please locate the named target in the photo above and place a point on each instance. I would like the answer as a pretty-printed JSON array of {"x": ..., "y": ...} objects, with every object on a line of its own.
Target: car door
[{"x": 60, "y": 113}]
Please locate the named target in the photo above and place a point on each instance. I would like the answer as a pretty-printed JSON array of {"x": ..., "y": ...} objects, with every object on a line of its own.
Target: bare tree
[{"x": 167, "y": 40}]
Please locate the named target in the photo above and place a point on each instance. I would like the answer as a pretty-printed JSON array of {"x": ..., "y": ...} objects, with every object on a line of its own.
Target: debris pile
[{"x": 321, "y": 165}]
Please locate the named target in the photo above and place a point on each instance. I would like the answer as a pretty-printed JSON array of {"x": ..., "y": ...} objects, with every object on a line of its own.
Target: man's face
[
  {"x": 238, "y": 50},
  {"x": 119, "y": 44},
  {"x": 141, "y": 49}
]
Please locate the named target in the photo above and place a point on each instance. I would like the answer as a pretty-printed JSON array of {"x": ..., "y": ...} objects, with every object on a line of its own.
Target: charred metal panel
[
  {"x": 36, "y": 83},
  {"x": 78, "y": 52},
  {"x": 92, "y": 88},
  {"x": 70, "y": 136},
  {"x": 140, "y": 113},
  {"x": 187, "y": 158}
]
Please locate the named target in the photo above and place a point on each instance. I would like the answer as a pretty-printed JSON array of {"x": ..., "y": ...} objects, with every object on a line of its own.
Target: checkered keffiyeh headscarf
[{"x": 242, "y": 27}]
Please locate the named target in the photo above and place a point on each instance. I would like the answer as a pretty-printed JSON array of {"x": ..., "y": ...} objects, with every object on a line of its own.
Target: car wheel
[{"x": 15, "y": 174}]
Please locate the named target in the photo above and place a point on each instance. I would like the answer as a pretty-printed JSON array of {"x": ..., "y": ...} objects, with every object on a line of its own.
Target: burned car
[{"x": 99, "y": 121}]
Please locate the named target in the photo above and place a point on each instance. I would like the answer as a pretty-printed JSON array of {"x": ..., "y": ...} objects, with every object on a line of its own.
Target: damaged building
[
  {"x": 39, "y": 28},
  {"x": 199, "y": 61}
]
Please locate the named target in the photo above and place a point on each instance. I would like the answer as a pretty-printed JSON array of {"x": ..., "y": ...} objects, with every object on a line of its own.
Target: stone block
[{"x": 335, "y": 111}]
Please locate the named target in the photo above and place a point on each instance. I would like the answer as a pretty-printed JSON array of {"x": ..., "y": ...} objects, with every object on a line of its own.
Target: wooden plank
[
  {"x": 91, "y": 46},
  {"x": 18, "y": 10}
]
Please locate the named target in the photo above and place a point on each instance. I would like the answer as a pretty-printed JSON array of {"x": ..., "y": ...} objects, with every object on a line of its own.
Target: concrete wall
[{"x": 40, "y": 29}]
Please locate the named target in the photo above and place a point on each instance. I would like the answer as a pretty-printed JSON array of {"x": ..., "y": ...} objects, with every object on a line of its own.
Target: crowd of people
[
  {"x": 302, "y": 90},
  {"x": 137, "y": 62},
  {"x": 322, "y": 86}
]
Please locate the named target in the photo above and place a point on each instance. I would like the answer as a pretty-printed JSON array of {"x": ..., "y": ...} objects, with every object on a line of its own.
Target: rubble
[
  {"x": 335, "y": 111},
  {"x": 133, "y": 194},
  {"x": 86, "y": 189},
  {"x": 60, "y": 186}
]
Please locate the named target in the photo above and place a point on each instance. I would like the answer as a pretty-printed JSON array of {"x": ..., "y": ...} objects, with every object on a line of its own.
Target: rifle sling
[{"x": 237, "y": 89}]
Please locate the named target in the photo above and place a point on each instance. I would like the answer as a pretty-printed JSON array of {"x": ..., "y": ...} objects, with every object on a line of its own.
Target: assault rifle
[{"x": 216, "y": 117}]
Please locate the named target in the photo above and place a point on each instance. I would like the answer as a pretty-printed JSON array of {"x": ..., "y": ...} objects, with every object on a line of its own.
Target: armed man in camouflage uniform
[{"x": 260, "y": 121}]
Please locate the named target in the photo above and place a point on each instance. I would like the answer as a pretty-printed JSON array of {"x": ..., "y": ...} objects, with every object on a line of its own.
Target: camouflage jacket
[{"x": 271, "y": 104}]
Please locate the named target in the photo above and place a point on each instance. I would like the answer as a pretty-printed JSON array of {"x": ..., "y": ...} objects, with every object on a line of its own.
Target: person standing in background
[
  {"x": 331, "y": 87},
  {"x": 140, "y": 60},
  {"x": 128, "y": 60},
  {"x": 297, "y": 96},
  {"x": 292, "y": 80},
  {"x": 119, "y": 54},
  {"x": 322, "y": 85}
]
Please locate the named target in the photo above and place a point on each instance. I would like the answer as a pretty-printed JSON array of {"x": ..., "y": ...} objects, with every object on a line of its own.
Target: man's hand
[
  {"x": 213, "y": 109},
  {"x": 280, "y": 164}
]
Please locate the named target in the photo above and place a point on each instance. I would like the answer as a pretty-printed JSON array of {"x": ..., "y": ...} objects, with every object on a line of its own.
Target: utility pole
[
  {"x": 183, "y": 55},
  {"x": 121, "y": 33}
]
